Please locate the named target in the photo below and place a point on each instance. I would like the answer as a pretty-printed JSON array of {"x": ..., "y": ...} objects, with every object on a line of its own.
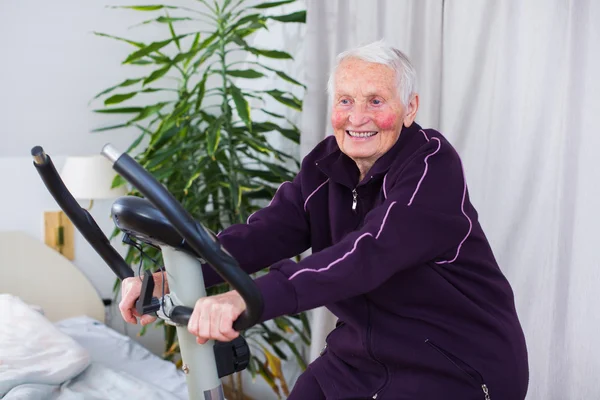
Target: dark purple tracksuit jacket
[{"x": 400, "y": 258}]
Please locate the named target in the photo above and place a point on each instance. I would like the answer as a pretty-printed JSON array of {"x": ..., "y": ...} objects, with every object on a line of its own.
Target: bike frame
[
  {"x": 184, "y": 270},
  {"x": 186, "y": 285}
]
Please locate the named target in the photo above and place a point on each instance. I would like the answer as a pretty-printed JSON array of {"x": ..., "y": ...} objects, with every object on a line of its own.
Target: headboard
[{"x": 41, "y": 276}]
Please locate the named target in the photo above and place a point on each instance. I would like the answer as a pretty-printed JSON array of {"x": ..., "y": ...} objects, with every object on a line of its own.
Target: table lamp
[{"x": 87, "y": 178}]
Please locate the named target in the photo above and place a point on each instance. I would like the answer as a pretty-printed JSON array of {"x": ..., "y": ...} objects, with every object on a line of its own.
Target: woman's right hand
[{"x": 130, "y": 292}]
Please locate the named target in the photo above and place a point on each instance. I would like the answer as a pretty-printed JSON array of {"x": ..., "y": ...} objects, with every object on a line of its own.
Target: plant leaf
[
  {"x": 241, "y": 105},
  {"x": 236, "y": 195},
  {"x": 225, "y": 4},
  {"x": 161, "y": 156},
  {"x": 155, "y": 46},
  {"x": 285, "y": 76},
  {"x": 303, "y": 335},
  {"x": 273, "y": 4},
  {"x": 298, "y": 16},
  {"x": 244, "y": 20},
  {"x": 157, "y": 74},
  {"x": 292, "y": 134},
  {"x": 125, "y": 83},
  {"x": 213, "y": 136},
  {"x": 272, "y": 113},
  {"x": 170, "y": 337},
  {"x": 245, "y": 73},
  {"x": 117, "y": 181},
  {"x": 152, "y": 47},
  {"x": 108, "y": 128},
  {"x": 294, "y": 349},
  {"x": 256, "y": 21},
  {"x": 164, "y": 20},
  {"x": 136, "y": 142},
  {"x": 254, "y": 144},
  {"x": 141, "y": 62},
  {"x": 191, "y": 181},
  {"x": 122, "y": 110},
  {"x": 305, "y": 324},
  {"x": 142, "y": 331},
  {"x": 268, "y": 377},
  {"x": 273, "y": 363},
  {"x": 288, "y": 101},
  {"x": 118, "y": 98},
  {"x": 263, "y": 174},
  {"x": 210, "y": 50},
  {"x": 173, "y": 35},
  {"x": 201, "y": 89},
  {"x": 149, "y": 110},
  {"x": 131, "y": 42},
  {"x": 153, "y": 7},
  {"x": 159, "y": 59},
  {"x": 279, "y": 352},
  {"x": 162, "y": 136},
  {"x": 270, "y": 53},
  {"x": 192, "y": 52}
]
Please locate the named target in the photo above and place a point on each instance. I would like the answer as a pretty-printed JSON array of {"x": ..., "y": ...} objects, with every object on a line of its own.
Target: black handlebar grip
[
  {"x": 181, "y": 315},
  {"x": 194, "y": 233},
  {"x": 79, "y": 216}
]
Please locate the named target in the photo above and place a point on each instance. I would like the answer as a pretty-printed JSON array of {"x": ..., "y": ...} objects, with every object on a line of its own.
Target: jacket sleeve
[
  {"x": 422, "y": 220},
  {"x": 278, "y": 231}
]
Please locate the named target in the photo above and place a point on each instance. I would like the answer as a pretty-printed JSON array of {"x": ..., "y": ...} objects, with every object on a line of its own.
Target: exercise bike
[{"x": 160, "y": 221}]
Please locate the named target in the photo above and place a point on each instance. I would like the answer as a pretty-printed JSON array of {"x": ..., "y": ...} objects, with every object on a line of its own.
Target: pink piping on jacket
[
  {"x": 351, "y": 251},
  {"x": 314, "y": 191},
  {"x": 426, "y": 167},
  {"x": 424, "y": 173},
  {"x": 462, "y": 208},
  {"x": 384, "y": 192},
  {"x": 462, "y": 204}
]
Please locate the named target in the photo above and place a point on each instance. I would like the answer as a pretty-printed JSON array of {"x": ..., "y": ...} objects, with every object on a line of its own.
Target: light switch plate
[{"x": 59, "y": 233}]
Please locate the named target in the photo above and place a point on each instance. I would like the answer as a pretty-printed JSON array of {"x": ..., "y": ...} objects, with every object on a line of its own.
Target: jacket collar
[{"x": 342, "y": 169}]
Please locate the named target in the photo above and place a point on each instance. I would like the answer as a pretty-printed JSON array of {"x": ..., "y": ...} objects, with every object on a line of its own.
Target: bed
[{"x": 53, "y": 340}]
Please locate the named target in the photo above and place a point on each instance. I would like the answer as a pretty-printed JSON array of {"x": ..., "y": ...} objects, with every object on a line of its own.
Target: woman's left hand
[{"x": 213, "y": 317}]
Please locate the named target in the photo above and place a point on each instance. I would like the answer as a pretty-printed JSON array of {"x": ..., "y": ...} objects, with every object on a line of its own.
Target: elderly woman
[{"x": 397, "y": 254}]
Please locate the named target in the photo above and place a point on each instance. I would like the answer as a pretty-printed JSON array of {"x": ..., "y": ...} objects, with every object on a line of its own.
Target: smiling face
[{"x": 368, "y": 114}]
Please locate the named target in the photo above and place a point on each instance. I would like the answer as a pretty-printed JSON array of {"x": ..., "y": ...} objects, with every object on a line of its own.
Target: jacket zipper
[
  {"x": 450, "y": 357},
  {"x": 372, "y": 355},
  {"x": 339, "y": 324},
  {"x": 354, "y": 199}
]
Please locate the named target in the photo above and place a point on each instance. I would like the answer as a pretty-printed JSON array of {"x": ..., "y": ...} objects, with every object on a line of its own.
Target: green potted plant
[{"x": 199, "y": 135}]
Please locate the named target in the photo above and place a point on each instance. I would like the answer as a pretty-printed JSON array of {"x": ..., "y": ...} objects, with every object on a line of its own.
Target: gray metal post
[{"x": 186, "y": 285}]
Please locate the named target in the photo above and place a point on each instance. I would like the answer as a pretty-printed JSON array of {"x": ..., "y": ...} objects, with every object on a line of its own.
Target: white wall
[{"x": 51, "y": 66}]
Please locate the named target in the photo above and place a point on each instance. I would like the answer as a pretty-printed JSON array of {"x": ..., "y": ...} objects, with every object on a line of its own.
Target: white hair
[{"x": 380, "y": 53}]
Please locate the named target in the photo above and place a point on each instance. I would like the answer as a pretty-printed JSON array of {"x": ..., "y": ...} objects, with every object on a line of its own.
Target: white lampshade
[{"x": 90, "y": 178}]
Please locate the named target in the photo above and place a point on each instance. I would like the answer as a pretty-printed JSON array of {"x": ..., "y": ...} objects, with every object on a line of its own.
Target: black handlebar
[
  {"x": 196, "y": 236},
  {"x": 194, "y": 233},
  {"x": 79, "y": 216}
]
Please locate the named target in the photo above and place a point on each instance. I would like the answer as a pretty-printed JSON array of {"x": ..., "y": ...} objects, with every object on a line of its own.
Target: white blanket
[
  {"x": 39, "y": 362},
  {"x": 32, "y": 350},
  {"x": 97, "y": 382}
]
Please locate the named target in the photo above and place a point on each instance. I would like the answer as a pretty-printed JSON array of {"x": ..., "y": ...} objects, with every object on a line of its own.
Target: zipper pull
[
  {"x": 354, "y": 199},
  {"x": 486, "y": 391}
]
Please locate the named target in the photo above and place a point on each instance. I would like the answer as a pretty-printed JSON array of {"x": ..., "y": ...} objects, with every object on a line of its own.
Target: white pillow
[{"x": 33, "y": 350}]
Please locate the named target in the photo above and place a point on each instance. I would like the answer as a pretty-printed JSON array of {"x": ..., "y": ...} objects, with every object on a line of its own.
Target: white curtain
[{"x": 514, "y": 86}]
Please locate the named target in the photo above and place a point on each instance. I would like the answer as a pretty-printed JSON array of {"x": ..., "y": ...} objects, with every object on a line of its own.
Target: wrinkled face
[{"x": 367, "y": 114}]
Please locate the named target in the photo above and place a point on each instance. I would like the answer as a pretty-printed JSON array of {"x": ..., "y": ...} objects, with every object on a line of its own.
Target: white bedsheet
[
  {"x": 78, "y": 359},
  {"x": 118, "y": 352},
  {"x": 32, "y": 350}
]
